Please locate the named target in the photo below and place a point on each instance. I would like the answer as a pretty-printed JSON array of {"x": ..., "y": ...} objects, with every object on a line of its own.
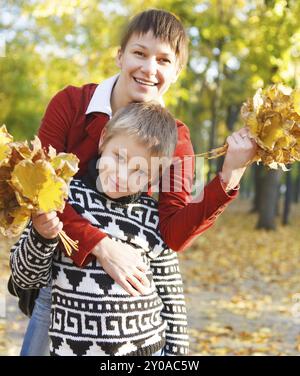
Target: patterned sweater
[{"x": 91, "y": 314}]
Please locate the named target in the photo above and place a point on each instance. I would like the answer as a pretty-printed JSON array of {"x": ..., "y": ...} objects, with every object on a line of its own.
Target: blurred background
[{"x": 241, "y": 276}]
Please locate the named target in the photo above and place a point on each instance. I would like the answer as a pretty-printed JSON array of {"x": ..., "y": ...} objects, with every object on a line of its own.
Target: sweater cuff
[
  {"x": 43, "y": 240},
  {"x": 222, "y": 196},
  {"x": 83, "y": 256}
]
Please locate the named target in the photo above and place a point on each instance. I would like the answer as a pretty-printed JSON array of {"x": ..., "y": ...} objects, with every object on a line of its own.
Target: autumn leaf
[
  {"x": 13, "y": 221},
  {"x": 32, "y": 179},
  {"x": 38, "y": 187},
  {"x": 65, "y": 165},
  {"x": 296, "y": 101},
  {"x": 273, "y": 118},
  {"x": 5, "y": 139}
]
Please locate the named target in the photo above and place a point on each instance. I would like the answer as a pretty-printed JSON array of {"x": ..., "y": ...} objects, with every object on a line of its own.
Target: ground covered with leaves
[
  {"x": 241, "y": 289},
  {"x": 242, "y": 286}
]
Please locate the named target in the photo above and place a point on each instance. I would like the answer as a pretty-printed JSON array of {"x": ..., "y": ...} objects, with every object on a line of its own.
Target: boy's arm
[
  {"x": 181, "y": 221},
  {"x": 168, "y": 282},
  {"x": 31, "y": 259}
]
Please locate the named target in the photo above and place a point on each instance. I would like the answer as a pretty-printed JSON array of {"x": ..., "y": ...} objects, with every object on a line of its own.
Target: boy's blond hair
[
  {"x": 150, "y": 124},
  {"x": 164, "y": 26}
]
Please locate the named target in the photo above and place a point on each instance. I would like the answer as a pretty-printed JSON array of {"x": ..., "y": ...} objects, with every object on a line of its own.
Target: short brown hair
[
  {"x": 164, "y": 26},
  {"x": 149, "y": 123}
]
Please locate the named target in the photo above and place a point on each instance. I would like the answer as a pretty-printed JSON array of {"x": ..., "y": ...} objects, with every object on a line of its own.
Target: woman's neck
[{"x": 118, "y": 99}]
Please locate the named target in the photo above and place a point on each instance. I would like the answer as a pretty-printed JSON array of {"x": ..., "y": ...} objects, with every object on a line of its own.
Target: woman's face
[{"x": 148, "y": 67}]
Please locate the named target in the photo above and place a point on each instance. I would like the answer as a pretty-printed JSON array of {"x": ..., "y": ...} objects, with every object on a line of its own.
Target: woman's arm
[
  {"x": 58, "y": 129},
  {"x": 168, "y": 282},
  {"x": 55, "y": 130},
  {"x": 183, "y": 218}
]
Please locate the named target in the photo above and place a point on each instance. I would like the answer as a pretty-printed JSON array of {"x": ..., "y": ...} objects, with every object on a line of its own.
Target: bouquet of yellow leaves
[
  {"x": 32, "y": 180},
  {"x": 273, "y": 118}
]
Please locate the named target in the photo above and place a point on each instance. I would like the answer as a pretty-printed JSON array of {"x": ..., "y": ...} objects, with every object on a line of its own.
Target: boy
[{"x": 91, "y": 314}]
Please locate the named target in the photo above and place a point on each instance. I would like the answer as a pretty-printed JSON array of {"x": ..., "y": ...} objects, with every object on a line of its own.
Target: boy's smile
[{"x": 148, "y": 67}]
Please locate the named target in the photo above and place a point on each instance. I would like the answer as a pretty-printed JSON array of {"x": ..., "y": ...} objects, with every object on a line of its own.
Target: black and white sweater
[{"x": 91, "y": 314}]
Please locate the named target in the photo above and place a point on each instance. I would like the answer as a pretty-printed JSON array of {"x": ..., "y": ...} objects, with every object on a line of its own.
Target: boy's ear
[{"x": 101, "y": 138}]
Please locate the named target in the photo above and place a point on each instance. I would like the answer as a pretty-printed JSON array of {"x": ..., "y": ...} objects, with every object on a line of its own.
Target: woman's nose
[{"x": 149, "y": 66}]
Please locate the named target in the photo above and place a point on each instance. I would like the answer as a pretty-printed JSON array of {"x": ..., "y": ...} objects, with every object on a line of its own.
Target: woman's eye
[{"x": 139, "y": 53}]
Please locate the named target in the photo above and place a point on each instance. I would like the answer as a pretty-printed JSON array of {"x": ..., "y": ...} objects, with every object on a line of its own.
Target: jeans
[
  {"x": 36, "y": 340},
  {"x": 160, "y": 352}
]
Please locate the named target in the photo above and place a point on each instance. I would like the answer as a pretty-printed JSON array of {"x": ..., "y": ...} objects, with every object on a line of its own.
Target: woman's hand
[
  {"x": 124, "y": 264},
  {"x": 47, "y": 225},
  {"x": 241, "y": 151}
]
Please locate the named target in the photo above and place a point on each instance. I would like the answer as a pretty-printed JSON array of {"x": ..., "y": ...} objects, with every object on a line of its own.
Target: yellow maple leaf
[
  {"x": 273, "y": 118},
  {"x": 5, "y": 139},
  {"x": 65, "y": 165},
  {"x": 296, "y": 101},
  {"x": 32, "y": 179},
  {"x": 38, "y": 187},
  {"x": 13, "y": 221}
]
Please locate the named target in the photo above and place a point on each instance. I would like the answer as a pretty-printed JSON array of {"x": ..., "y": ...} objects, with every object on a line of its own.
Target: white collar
[{"x": 100, "y": 101}]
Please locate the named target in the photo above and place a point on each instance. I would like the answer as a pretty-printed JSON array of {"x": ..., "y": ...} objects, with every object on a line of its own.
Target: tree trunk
[
  {"x": 213, "y": 131},
  {"x": 268, "y": 200},
  {"x": 215, "y": 106},
  {"x": 288, "y": 197},
  {"x": 297, "y": 185},
  {"x": 232, "y": 115},
  {"x": 257, "y": 171}
]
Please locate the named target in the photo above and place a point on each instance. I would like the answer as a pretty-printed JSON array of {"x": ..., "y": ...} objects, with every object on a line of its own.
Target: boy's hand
[
  {"x": 47, "y": 225},
  {"x": 241, "y": 151},
  {"x": 124, "y": 264}
]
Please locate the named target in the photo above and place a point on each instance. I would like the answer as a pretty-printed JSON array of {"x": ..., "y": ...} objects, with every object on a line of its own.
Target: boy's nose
[{"x": 122, "y": 176}]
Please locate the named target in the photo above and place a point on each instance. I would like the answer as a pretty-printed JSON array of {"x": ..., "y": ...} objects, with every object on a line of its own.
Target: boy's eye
[
  {"x": 142, "y": 173},
  {"x": 121, "y": 158},
  {"x": 164, "y": 60}
]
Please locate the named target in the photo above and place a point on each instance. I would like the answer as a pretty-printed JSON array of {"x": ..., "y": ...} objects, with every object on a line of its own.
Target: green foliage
[{"x": 236, "y": 46}]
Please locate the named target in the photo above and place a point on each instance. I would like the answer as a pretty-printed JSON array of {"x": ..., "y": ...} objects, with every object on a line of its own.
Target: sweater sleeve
[
  {"x": 181, "y": 218},
  {"x": 168, "y": 282},
  {"x": 54, "y": 130},
  {"x": 31, "y": 259}
]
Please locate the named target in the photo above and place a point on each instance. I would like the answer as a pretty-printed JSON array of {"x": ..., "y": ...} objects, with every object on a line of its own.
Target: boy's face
[
  {"x": 125, "y": 167},
  {"x": 148, "y": 67}
]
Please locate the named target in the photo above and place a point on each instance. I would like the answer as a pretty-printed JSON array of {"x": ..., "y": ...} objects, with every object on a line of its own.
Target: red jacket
[{"x": 67, "y": 128}]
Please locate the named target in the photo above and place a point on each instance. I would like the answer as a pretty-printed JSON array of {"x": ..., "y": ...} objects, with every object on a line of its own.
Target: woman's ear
[
  {"x": 119, "y": 58},
  {"x": 176, "y": 75}
]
